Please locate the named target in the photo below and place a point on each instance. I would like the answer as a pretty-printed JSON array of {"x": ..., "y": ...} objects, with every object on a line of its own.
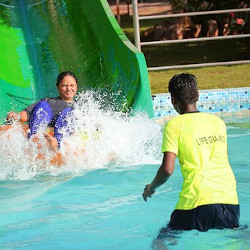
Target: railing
[{"x": 138, "y": 43}]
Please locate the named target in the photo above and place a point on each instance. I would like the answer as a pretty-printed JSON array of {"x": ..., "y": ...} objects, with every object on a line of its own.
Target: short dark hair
[
  {"x": 184, "y": 88},
  {"x": 63, "y": 74}
]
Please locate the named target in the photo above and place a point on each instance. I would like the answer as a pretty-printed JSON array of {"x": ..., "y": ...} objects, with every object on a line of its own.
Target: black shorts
[{"x": 203, "y": 218}]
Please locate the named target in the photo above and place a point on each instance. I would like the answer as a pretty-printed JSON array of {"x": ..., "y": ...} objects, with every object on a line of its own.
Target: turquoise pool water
[{"x": 92, "y": 204}]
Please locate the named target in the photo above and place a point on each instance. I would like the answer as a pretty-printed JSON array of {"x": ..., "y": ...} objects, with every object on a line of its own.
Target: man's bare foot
[{"x": 52, "y": 142}]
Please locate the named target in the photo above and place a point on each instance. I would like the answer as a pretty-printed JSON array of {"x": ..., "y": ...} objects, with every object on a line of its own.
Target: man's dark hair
[
  {"x": 63, "y": 74},
  {"x": 184, "y": 88}
]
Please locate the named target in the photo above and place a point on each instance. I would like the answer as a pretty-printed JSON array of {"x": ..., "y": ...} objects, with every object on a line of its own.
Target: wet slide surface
[{"x": 39, "y": 39}]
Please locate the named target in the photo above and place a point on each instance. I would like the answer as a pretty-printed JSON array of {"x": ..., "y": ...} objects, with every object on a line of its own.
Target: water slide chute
[{"x": 40, "y": 38}]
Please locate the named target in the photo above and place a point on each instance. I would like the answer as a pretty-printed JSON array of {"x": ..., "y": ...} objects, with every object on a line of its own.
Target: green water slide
[{"x": 39, "y": 39}]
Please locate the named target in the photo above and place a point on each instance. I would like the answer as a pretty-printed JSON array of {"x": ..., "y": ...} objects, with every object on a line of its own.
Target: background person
[
  {"x": 51, "y": 112},
  {"x": 208, "y": 198}
]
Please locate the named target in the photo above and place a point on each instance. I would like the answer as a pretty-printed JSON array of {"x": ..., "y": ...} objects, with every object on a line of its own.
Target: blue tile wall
[{"x": 212, "y": 101}]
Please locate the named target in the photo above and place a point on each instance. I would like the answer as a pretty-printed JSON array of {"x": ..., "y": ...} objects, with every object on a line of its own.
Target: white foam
[{"x": 121, "y": 139}]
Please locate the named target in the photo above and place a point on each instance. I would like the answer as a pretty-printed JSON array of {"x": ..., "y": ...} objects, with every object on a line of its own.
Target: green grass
[
  {"x": 198, "y": 52},
  {"x": 208, "y": 77}
]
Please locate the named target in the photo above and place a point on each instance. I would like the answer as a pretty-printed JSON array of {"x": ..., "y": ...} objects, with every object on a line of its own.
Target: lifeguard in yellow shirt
[{"x": 208, "y": 199}]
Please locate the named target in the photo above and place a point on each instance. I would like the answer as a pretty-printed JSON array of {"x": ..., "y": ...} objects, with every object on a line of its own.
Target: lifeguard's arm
[
  {"x": 164, "y": 172},
  {"x": 21, "y": 116}
]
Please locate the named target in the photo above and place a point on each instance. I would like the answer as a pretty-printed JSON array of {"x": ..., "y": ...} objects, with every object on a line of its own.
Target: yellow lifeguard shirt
[{"x": 199, "y": 140}]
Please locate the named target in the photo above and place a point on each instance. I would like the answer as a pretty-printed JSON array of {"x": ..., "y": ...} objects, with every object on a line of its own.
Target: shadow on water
[{"x": 213, "y": 239}]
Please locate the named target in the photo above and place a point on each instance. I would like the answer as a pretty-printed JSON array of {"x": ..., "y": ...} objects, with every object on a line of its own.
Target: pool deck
[{"x": 144, "y": 8}]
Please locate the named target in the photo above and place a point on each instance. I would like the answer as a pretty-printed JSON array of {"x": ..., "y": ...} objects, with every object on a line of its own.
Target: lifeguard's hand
[{"x": 148, "y": 191}]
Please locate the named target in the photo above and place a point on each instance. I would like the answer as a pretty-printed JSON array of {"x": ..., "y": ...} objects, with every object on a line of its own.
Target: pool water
[{"x": 91, "y": 203}]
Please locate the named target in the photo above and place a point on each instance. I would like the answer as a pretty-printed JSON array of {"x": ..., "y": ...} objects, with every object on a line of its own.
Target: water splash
[{"x": 103, "y": 138}]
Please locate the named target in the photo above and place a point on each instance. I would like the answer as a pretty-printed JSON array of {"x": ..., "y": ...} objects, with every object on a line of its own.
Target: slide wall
[{"x": 39, "y": 39}]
